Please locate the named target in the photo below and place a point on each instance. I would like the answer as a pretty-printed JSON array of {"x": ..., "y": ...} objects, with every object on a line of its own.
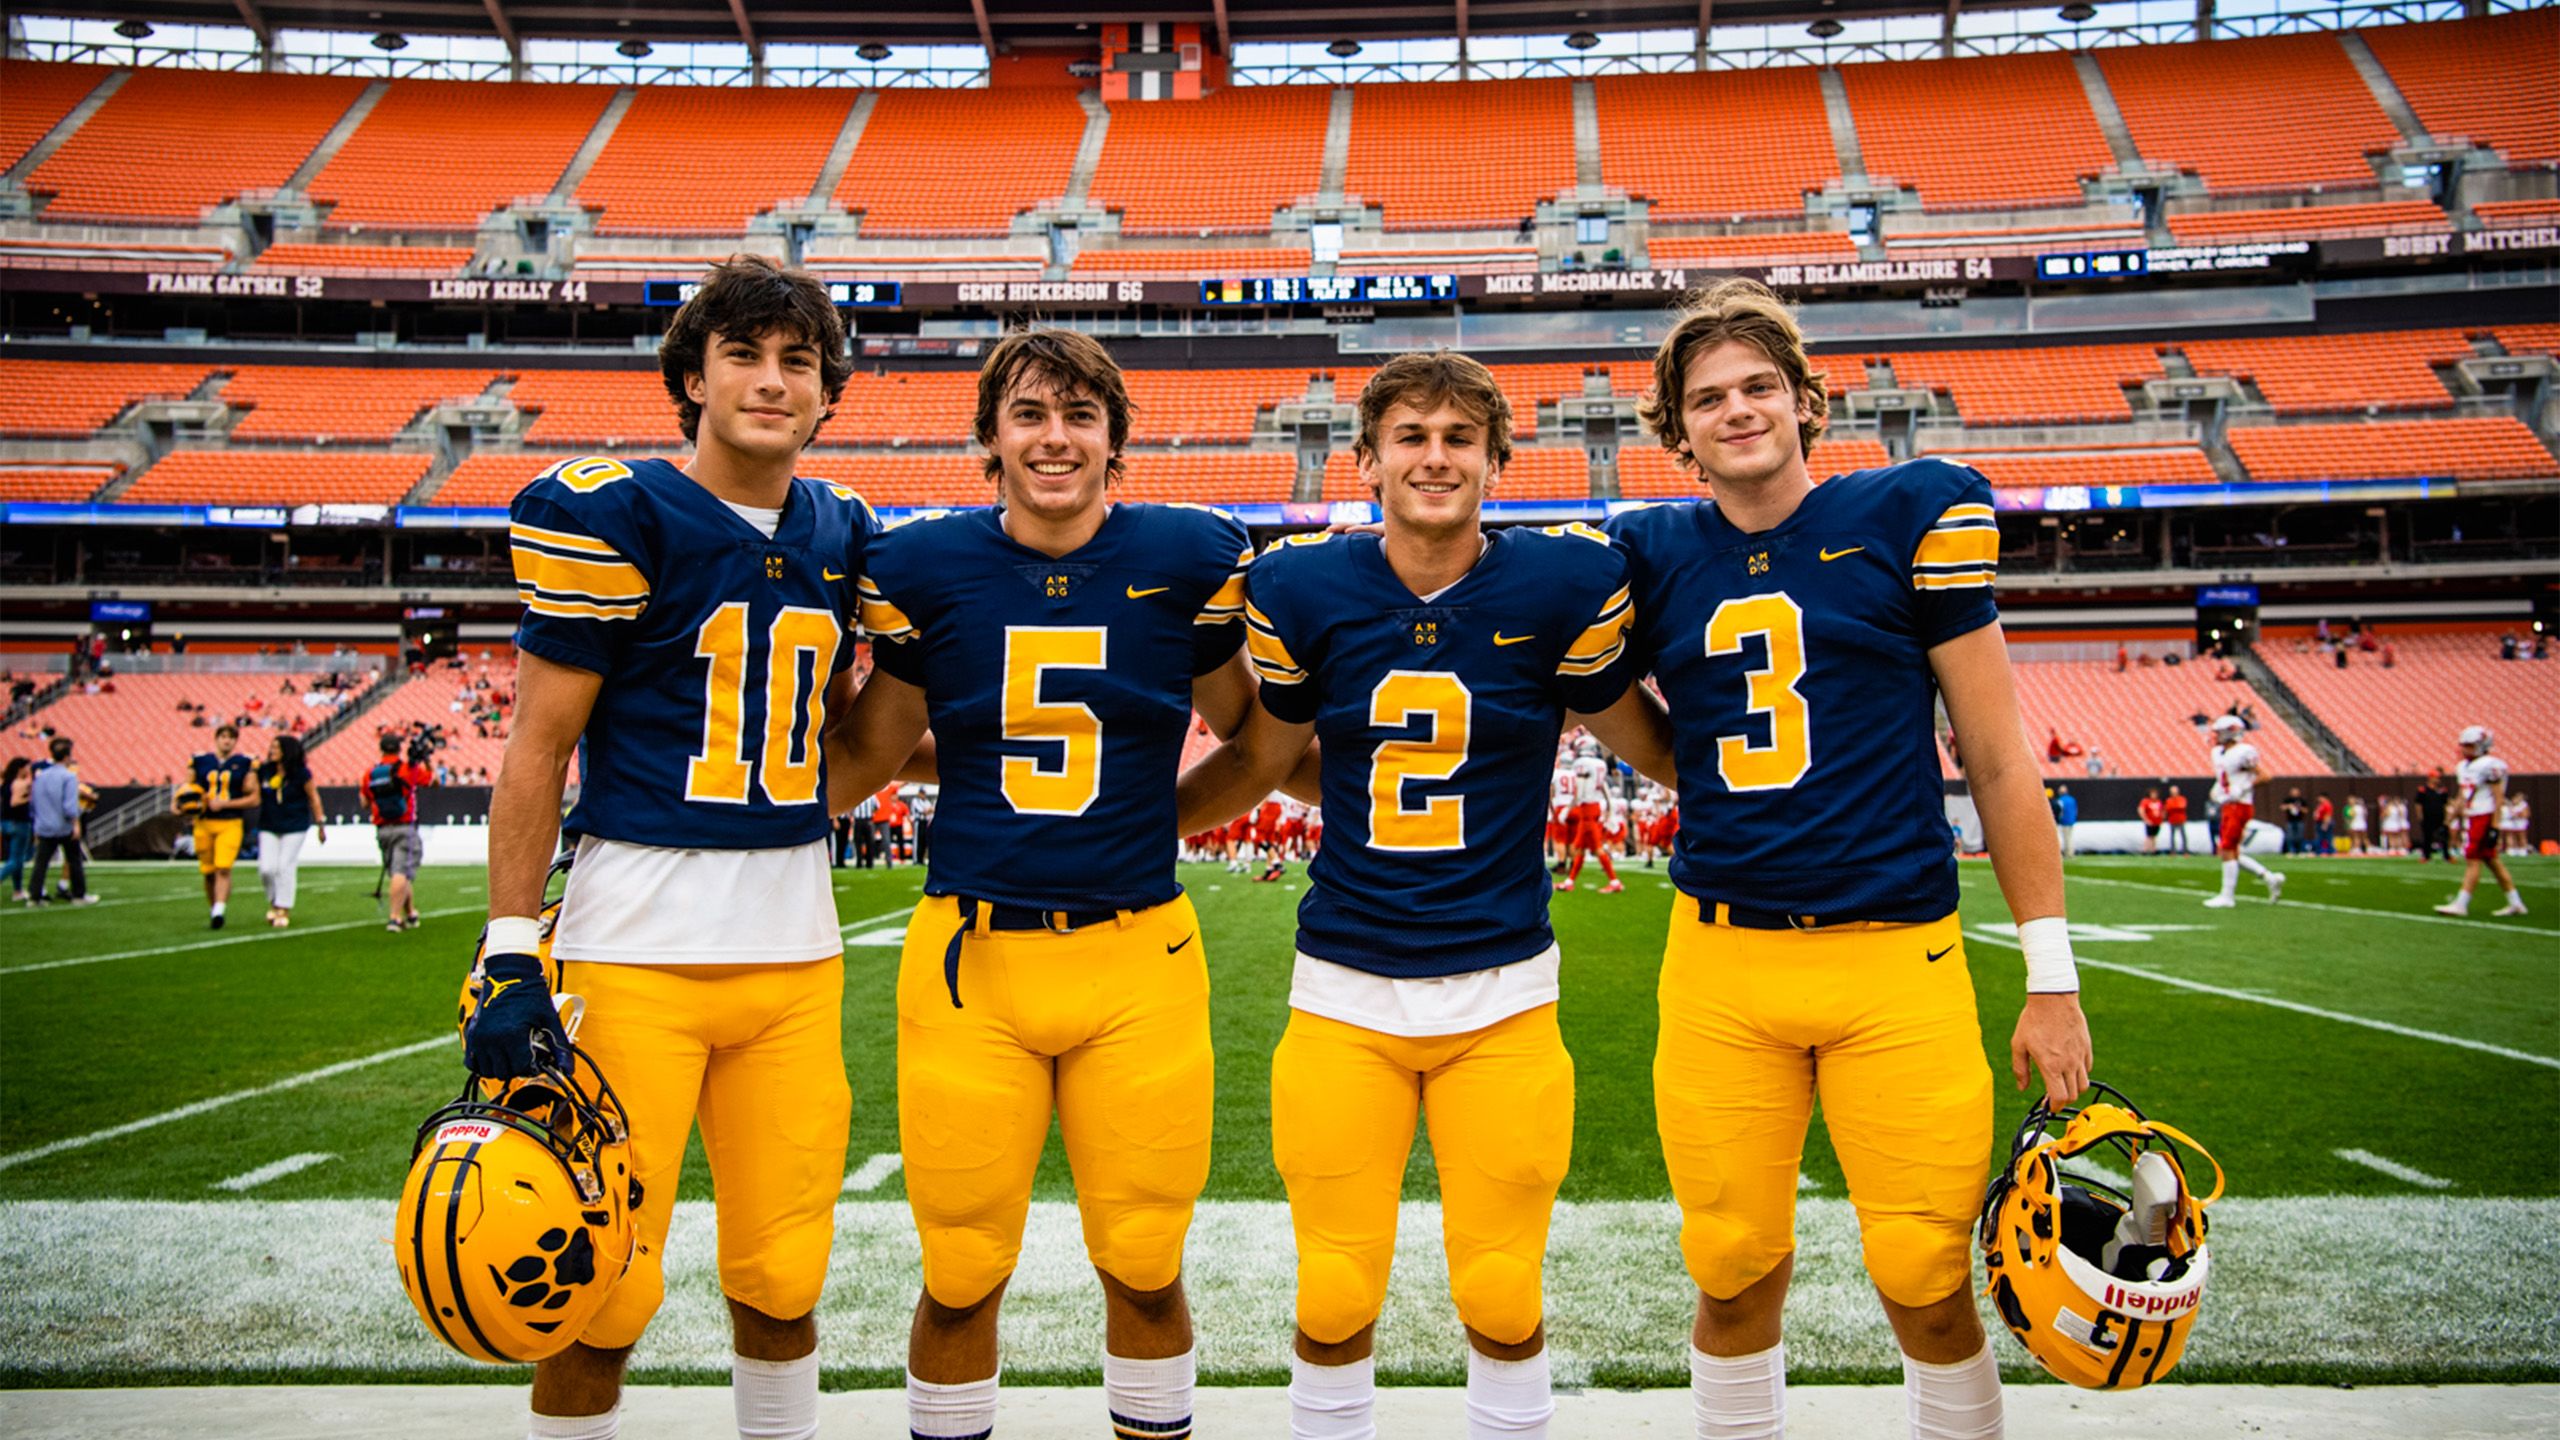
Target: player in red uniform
[
  {"x": 2153, "y": 814},
  {"x": 1590, "y": 803},
  {"x": 2484, "y": 792}
]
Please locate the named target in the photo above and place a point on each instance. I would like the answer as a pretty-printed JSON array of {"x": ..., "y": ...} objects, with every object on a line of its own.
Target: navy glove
[{"x": 515, "y": 1031}]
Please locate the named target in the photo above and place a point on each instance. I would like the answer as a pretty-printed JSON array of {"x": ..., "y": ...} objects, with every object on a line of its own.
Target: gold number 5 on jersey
[{"x": 1070, "y": 784}]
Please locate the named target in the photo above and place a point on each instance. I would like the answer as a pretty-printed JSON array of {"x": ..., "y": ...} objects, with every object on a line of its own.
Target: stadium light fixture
[
  {"x": 133, "y": 30},
  {"x": 633, "y": 49},
  {"x": 1824, "y": 28},
  {"x": 2079, "y": 12},
  {"x": 1581, "y": 40},
  {"x": 873, "y": 51},
  {"x": 387, "y": 40},
  {"x": 1343, "y": 49}
]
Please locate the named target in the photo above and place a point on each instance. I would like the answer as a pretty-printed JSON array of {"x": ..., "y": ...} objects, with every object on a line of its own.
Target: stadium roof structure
[{"x": 995, "y": 24}]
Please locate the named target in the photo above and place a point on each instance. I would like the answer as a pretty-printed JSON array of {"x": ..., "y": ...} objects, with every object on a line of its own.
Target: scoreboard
[
  {"x": 848, "y": 294},
  {"x": 1329, "y": 290}
]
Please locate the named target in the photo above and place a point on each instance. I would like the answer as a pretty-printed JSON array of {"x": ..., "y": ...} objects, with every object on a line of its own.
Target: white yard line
[
  {"x": 275, "y": 1170},
  {"x": 2394, "y": 1169},
  {"x": 2259, "y": 898},
  {"x": 875, "y": 920},
  {"x": 250, "y": 938},
  {"x": 870, "y": 1173},
  {"x": 198, "y": 1107},
  {"x": 1993, "y": 937}
]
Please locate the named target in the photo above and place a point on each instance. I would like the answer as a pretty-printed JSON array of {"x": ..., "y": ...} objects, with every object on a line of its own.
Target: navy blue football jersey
[
  {"x": 223, "y": 779},
  {"x": 1437, "y": 723},
  {"x": 1059, "y": 691},
  {"x": 715, "y": 643},
  {"x": 1795, "y": 663}
]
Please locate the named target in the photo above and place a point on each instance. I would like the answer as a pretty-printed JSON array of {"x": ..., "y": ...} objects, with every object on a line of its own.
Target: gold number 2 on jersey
[
  {"x": 793, "y": 719},
  {"x": 1069, "y": 784},
  {"x": 1443, "y": 700},
  {"x": 1778, "y": 621}
]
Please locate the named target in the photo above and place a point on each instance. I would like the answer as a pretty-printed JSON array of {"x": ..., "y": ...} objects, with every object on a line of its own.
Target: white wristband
[
  {"x": 2050, "y": 968},
  {"x": 513, "y": 935}
]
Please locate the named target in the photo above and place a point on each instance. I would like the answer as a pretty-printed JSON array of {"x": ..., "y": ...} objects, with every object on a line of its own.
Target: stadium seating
[
  {"x": 2313, "y": 374},
  {"x": 1438, "y": 260},
  {"x": 170, "y": 142},
  {"x": 397, "y": 260},
  {"x": 597, "y": 407},
  {"x": 2311, "y": 222},
  {"x": 2489, "y": 81},
  {"x": 1994, "y": 132},
  {"x": 1768, "y": 248},
  {"x": 2088, "y": 465},
  {"x": 2503, "y": 214},
  {"x": 34, "y": 97},
  {"x": 333, "y": 402},
  {"x": 1534, "y": 473},
  {"x": 62, "y": 483},
  {"x": 1494, "y": 151},
  {"x": 934, "y": 267},
  {"x": 2062, "y": 384},
  {"x": 1646, "y": 471},
  {"x": 931, "y": 407},
  {"x": 435, "y": 698},
  {"x": 77, "y": 397},
  {"x": 961, "y": 162},
  {"x": 1525, "y": 386},
  {"x": 2486, "y": 448},
  {"x": 265, "y": 477},
  {"x": 1630, "y": 379},
  {"x": 2403, "y": 720},
  {"x": 951, "y": 477},
  {"x": 1250, "y": 477},
  {"x": 2139, "y": 720},
  {"x": 2529, "y": 339},
  {"x": 693, "y": 160},
  {"x": 34, "y": 253},
  {"x": 2286, "y": 112},
  {"x": 1192, "y": 405},
  {"x": 441, "y": 154},
  {"x": 1219, "y": 164},
  {"x": 1716, "y": 146},
  {"x": 1205, "y": 264},
  {"x": 135, "y": 734}
]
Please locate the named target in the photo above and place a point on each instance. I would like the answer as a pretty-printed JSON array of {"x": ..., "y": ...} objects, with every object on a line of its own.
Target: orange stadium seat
[
  {"x": 961, "y": 162},
  {"x": 491, "y": 479},
  {"x": 1220, "y": 164},
  {"x": 1983, "y": 133},
  {"x": 2529, "y": 339},
  {"x": 137, "y": 735},
  {"x": 2487, "y": 448},
  {"x": 2311, "y": 222},
  {"x": 2403, "y": 720},
  {"x": 2285, "y": 112},
  {"x": 949, "y": 478},
  {"x": 2505, "y": 214},
  {"x": 432, "y": 260},
  {"x": 332, "y": 402},
  {"x": 599, "y": 407},
  {"x": 1205, "y": 404},
  {"x": 432, "y": 697},
  {"x": 2310, "y": 374},
  {"x": 441, "y": 154},
  {"x": 267, "y": 477},
  {"x": 170, "y": 142},
  {"x": 34, "y": 97},
  {"x": 2089, "y": 465},
  {"x": 77, "y": 397},
  {"x": 2062, "y": 384},
  {"x": 33, "y": 253},
  {"x": 61, "y": 483},
  {"x": 1494, "y": 151},
  {"x": 1206, "y": 264},
  {"x": 930, "y": 407},
  {"x": 1632, "y": 379},
  {"x": 1775, "y": 248},
  {"x": 1550, "y": 473},
  {"x": 695, "y": 160},
  {"x": 2488, "y": 81},
  {"x": 1646, "y": 471},
  {"x": 1525, "y": 386},
  {"x": 1246, "y": 477},
  {"x": 1719, "y": 145},
  {"x": 2139, "y": 719}
]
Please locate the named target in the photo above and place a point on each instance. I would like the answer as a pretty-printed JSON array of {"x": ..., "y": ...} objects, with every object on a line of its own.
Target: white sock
[
  {"x": 1740, "y": 1397},
  {"x": 2251, "y": 865},
  {"x": 775, "y": 1399},
  {"x": 1150, "y": 1399},
  {"x": 2516, "y": 898},
  {"x": 1953, "y": 1402},
  {"x": 1508, "y": 1397},
  {"x": 220, "y": 905},
  {"x": 575, "y": 1427},
  {"x": 966, "y": 1411},
  {"x": 2230, "y": 878},
  {"x": 1332, "y": 1402}
]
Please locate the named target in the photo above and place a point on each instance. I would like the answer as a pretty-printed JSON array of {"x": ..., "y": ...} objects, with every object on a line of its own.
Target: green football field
[{"x": 2374, "y": 1078}]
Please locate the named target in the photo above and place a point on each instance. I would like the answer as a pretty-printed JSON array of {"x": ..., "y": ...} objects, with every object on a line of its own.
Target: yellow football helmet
[
  {"x": 2102, "y": 1284},
  {"x": 517, "y": 1219},
  {"x": 190, "y": 799}
]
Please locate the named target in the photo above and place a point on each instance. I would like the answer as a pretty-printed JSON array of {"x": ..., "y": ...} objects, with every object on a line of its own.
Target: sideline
[
  {"x": 199, "y": 1107},
  {"x": 374, "y": 923}
]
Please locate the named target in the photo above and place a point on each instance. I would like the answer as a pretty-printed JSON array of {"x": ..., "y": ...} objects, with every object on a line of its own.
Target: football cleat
[
  {"x": 2458, "y": 905},
  {"x": 1612, "y": 888},
  {"x": 1563, "y": 885},
  {"x": 2512, "y": 907},
  {"x": 2220, "y": 902},
  {"x": 2275, "y": 886},
  {"x": 2101, "y": 1284}
]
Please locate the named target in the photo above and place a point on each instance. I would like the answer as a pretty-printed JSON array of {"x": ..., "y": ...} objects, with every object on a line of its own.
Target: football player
[
  {"x": 222, "y": 789},
  {"x": 1801, "y": 636},
  {"x": 1059, "y": 644},
  {"x": 2235, "y": 789},
  {"x": 1586, "y": 832},
  {"x": 2484, "y": 792},
  {"x": 685, "y": 636},
  {"x": 1435, "y": 664}
]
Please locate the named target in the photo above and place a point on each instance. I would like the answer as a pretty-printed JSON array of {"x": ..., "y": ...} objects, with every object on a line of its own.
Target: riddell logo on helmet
[
  {"x": 466, "y": 1130},
  {"x": 2151, "y": 1307}
]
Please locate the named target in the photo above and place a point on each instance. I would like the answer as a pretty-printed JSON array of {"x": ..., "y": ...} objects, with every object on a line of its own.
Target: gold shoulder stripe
[
  {"x": 883, "y": 620},
  {"x": 613, "y": 580},
  {"x": 1599, "y": 646},
  {"x": 560, "y": 540},
  {"x": 1968, "y": 580},
  {"x": 1965, "y": 514},
  {"x": 541, "y": 604},
  {"x": 1954, "y": 547}
]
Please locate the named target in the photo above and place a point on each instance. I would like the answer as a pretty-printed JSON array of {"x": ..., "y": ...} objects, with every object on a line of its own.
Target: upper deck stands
[
  {"x": 1646, "y": 471},
  {"x": 1719, "y": 145},
  {"x": 2094, "y": 465},
  {"x": 1779, "y": 247},
  {"x": 693, "y": 160},
  {"x": 1493, "y": 152},
  {"x": 1206, "y": 264},
  {"x": 961, "y": 162},
  {"x": 77, "y": 397},
  {"x": 597, "y": 407},
  {"x": 2312, "y": 374},
  {"x": 1204, "y": 404},
  {"x": 2489, "y": 81},
  {"x": 2311, "y": 222},
  {"x": 2286, "y": 112},
  {"x": 2484, "y": 448},
  {"x": 59, "y": 484},
  {"x": 2403, "y": 720},
  {"x": 401, "y": 260},
  {"x": 442, "y": 154},
  {"x": 169, "y": 143},
  {"x": 315, "y": 402},
  {"x": 1987, "y": 133},
  {"x": 1220, "y": 164},
  {"x": 266, "y": 477},
  {"x": 2062, "y": 384},
  {"x": 34, "y": 97}
]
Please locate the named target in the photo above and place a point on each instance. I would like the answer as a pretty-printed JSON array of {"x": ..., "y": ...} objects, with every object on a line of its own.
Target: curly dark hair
[
  {"x": 748, "y": 297},
  {"x": 1067, "y": 361}
]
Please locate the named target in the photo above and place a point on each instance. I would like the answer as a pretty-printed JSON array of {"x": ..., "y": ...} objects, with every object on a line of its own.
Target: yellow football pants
[
  {"x": 1879, "y": 1022},
  {"x": 1500, "y": 1102},
  {"x": 218, "y": 843},
  {"x": 755, "y": 1053},
  {"x": 1108, "y": 1028}
]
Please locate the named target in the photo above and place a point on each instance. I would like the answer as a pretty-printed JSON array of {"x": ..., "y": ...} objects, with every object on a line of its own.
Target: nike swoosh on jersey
[
  {"x": 1831, "y": 554},
  {"x": 830, "y": 574},
  {"x": 1178, "y": 944},
  {"x": 1937, "y": 955},
  {"x": 1501, "y": 639},
  {"x": 1137, "y": 594}
]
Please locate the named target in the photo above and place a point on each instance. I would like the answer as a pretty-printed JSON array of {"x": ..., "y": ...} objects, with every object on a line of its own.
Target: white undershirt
[
  {"x": 645, "y": 905},
  {"x": 768, "y": 521},
  {"x": 1440, "y": 1005}
]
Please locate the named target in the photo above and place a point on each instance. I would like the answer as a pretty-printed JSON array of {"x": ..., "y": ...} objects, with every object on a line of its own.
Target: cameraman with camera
[{"x": 391, "y": 792}]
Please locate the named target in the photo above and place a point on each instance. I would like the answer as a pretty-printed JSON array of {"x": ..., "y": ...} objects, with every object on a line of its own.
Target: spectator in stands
[
  {"x": 2297, "y": 824},
  {"x": 54, "y": 802},
  {"x": 391, "y": 793},
  {"x": 2390, "y": 656},
  {"x": 2053, "y": 751},
  {"x": 2426, "y": 808},
  {"x": 2541, "y": 644},
  {"x": 2175, "y": 811},
  {"x": 2507, "y": 647},
  {"x": 2324, "y": 824},
  {"x": 17, "y": 823},
  {"x": 2096, "y": 762},
  {"x": 2153, "y": 813},
  {"x": 2121, "y": 657},
  {"x": 177, "y": 642},
  {"x": 2339, "y": 653},
  {"x": 288, "y": 811}
]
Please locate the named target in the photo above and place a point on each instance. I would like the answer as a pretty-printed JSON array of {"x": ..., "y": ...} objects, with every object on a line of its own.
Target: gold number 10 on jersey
[
  {"x": 1442, "y": 701},
  {"x": 1069, "y": 784},
  {"x": 1779, "y": 621},
  {"x": 795, "y": 711}
]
